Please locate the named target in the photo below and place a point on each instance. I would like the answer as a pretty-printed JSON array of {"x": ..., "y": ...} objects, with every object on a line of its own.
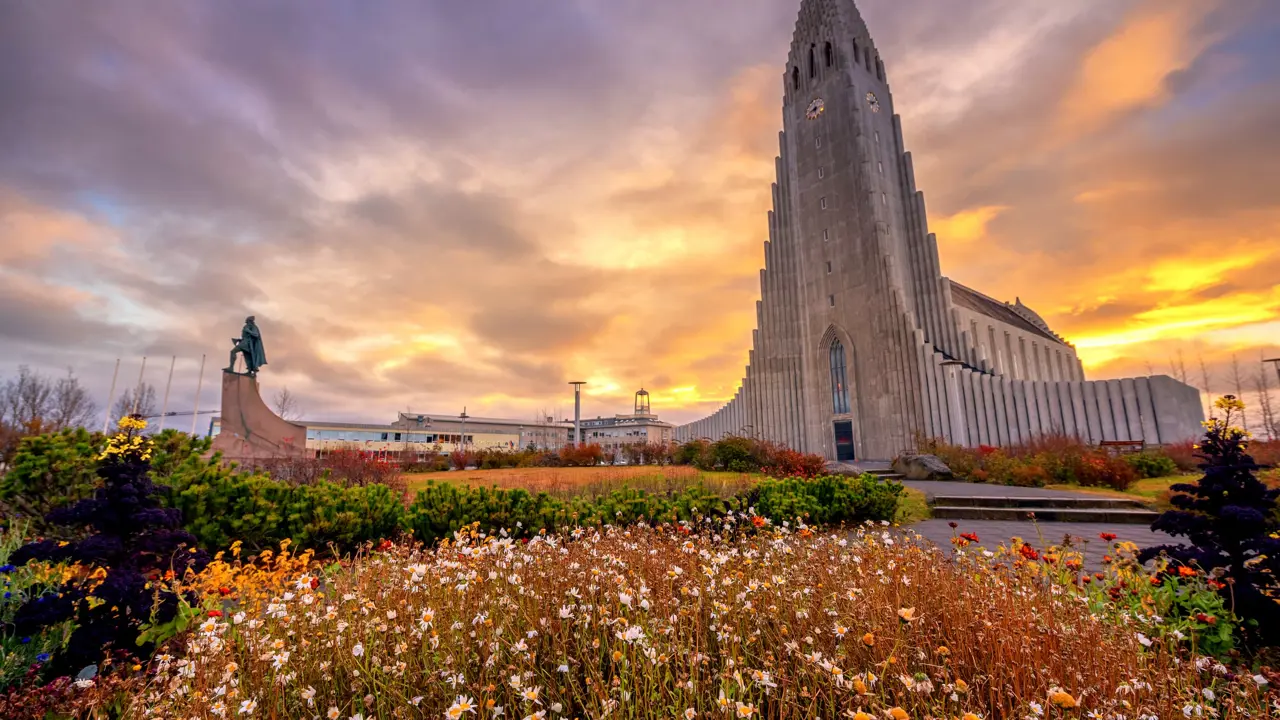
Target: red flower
[
  {"x": 953, "y": 525},
  {"x": 315, "y": 583},
  {"x": 971, "y": 537},
  {"x": 758, "y": 521},
  {"x": 215, "y": 613},
  {"x": 1185, "y": 571},
  {"x": 224, "y": 591},
  {"x": 1107, "y": 536},
  {"x": 1029, "y": 552}
]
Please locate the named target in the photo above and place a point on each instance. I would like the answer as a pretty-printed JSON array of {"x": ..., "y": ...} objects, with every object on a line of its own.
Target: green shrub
[
  {"x": 50, "y": 471},
  {"x": 828, "y": 500},
  {"x": 1151, "y": 464}
]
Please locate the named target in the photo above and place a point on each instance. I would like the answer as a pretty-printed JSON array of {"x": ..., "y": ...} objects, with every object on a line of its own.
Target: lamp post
[
  {"x": 462, "y": 441},
  {"x": 577, "y": 411},
  {"x": 1276, "y": 363}
]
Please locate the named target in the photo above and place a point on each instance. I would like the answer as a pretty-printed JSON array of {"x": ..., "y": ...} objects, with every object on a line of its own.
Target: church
[{"x": 861, "y": 345}]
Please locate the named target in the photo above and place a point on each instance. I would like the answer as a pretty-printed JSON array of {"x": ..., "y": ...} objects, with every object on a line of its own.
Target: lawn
[
  {"x": 566, "y": 482},
  {"x": 1154, "y": 491}
]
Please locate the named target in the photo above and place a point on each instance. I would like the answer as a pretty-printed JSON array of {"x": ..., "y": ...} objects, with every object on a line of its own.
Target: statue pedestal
[{"x": 250, "y": 430}]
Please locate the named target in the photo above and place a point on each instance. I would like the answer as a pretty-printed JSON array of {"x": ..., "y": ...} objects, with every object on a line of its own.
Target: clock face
[
  {"x": 815, "y": 109},
  {"x": 873, "y": 102}
]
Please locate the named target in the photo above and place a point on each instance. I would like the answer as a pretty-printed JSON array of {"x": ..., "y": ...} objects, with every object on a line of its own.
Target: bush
[
  {"x": 1149, "y": 464},
  {"x": 1230, "y": 518},
  {"x": 1049, "y": 459},
  {"x": 827, "y": 500},
  {"x": 220, "y": 505},
  {"x": 49, "y": 472},
  {"x": 132, "y": 541}
]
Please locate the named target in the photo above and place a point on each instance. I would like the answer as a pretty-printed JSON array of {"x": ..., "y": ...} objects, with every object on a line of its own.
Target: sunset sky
[{"x": 432, "y": 205}]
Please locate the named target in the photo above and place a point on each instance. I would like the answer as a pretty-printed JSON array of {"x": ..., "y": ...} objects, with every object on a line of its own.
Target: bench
[{"x": 1122, "y": 447}]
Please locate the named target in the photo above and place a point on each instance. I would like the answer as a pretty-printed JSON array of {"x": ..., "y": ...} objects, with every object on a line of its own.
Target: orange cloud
[{"x": 1129, "y": 69}]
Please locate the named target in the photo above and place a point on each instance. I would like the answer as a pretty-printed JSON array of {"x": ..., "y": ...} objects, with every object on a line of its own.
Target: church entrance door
[{"x": 844, "y": 440}]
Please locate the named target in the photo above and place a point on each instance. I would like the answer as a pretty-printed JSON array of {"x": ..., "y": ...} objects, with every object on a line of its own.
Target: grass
[
  {"x": 567, "y": 482},
  {"x": 1154, "y": 491},
  {"x": 914, "y": 507}
]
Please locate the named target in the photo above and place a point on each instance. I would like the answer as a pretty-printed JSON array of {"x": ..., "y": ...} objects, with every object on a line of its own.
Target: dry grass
[
  {"x": 566, "y": 482},
  {"x": 707, "y": 622}
]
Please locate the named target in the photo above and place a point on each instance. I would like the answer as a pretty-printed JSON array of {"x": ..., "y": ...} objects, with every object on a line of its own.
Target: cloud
[{"x": 439, "y": 205}]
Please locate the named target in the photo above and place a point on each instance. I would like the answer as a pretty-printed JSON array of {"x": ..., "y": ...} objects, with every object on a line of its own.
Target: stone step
[
  {"x": 1063, "y": 502},
  {"x": 1046, "y": 514}
]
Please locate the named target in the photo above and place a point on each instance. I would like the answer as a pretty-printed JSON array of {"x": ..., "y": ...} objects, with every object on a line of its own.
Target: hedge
[{"x": 220, "y": 505}]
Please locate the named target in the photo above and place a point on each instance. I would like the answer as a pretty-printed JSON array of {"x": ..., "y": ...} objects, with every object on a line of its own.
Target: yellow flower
[
  {"x": 861, "y": 716},
  {"x": 962, "y": 686},
  {"x": 1062, "y": 699},
  {"x": 860, "y": 687},
  {"x": 898, "y": 713},
  {"x": 868, "y": 639},
  {"x": 943, "y": 651},
  {"x": 970, "y": 716}
]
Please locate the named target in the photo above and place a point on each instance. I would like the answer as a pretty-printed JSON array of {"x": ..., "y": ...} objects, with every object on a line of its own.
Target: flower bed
[{"x": 720, "y": 618}]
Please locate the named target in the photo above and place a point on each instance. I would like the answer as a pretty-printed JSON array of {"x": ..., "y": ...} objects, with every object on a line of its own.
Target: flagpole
[
  {"x": 164, "y": 406},
  {"x": 111, "y": 395},
  {"x": 199, "y": 383},
  {"x": 137, "y": 391}
]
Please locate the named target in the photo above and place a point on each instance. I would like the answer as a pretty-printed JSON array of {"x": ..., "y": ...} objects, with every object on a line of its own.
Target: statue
[{"x": 248, "y": 344}]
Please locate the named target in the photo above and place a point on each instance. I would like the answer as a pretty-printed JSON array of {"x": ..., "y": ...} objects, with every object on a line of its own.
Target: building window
[
  {"x": 831, "y": 300},
  {"x": 825, "y": 235},
  {"x": 866, "y": 56},
  {"x": 880, "y": 167},
  {"x": 884, "y": 199},
  {"x": 822, "y": 202},
  {"x": 830, "y": 55},
  {"x": 879, "y": 69},
  {"x": 839, "y": 386},
  {"x": 828, "y": 267},
  {"x": 817, "y": 141},
  {"x": 795, "y": 78},
  {"x": 821, "y": 173},
  {"x": 855, "y": 52},
  {"x": 813, "y": 66}
]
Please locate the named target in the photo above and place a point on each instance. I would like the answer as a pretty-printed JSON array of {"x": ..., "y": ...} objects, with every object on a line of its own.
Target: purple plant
[
  {"x": 1230, "y": 518},
  {"x": 133, "y": 542}
]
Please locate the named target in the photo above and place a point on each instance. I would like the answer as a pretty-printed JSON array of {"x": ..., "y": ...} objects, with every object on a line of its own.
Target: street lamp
[
  {"x": 1276, "y": 362},
  {"x": 462, "y": 441},
  {"x": 577, "y": 411}
]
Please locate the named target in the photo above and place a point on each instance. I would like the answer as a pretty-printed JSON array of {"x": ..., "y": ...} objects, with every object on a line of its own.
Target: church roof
[{"x": 1004, "y": 312}]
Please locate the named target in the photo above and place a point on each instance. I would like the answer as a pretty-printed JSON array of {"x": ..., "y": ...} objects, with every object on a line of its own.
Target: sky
[{"x": 433, "y": 205}]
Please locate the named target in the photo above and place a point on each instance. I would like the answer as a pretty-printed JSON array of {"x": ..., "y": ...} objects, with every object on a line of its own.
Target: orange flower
[
  {"x": 898, "y": 713},
  {"x": 1185, "y": 571},
  {"x": 868, "y": 639},
  {"x": 1062, "y": 700}
]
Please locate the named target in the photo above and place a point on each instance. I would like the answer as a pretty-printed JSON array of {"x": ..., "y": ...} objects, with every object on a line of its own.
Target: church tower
[{"x": 862, "y": 345}]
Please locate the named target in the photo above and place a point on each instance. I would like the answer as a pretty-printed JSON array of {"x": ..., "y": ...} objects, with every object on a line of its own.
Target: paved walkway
[{"x": 994, "y": 532}]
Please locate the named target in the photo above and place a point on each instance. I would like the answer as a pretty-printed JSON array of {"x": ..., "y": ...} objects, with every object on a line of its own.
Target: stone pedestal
[{"x": 250, "y": 431}]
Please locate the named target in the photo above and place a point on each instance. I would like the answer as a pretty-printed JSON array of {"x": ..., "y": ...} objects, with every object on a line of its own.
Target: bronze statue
[{"x": 248, "y": 344}]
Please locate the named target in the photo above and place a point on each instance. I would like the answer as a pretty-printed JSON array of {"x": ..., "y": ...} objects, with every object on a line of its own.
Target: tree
[
  {"x": 70, "y": 405},
  {"x": 1262, "y": 384},
  {"x": 286, "y": 404},
  {"x": 1237, "y": 380},
  {"x": 32, "y": 403},
  {"x": 1230, "y": 518},
  {"x": 145, "y": 397}
]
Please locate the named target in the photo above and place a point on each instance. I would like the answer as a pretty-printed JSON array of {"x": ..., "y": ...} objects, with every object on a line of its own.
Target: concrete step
[
  {"x": 1046, "y": 514},
  {"x": 1061, "y": 502}
]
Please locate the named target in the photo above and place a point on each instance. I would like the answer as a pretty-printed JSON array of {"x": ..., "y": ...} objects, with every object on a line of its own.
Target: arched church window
[
  {"x": 839, "y": 384},
  {"x": 879, "y": 69},
  {"x": 855, "y": 52},
  {"x": 830, "y": 55},
  {"x": 795, "y": 78},
  {"x": 813, "y": 65},
  {"x": 866, "y": 58}
]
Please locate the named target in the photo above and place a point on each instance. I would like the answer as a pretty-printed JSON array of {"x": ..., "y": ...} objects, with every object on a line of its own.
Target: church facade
[{"x": 861, "y": 345}]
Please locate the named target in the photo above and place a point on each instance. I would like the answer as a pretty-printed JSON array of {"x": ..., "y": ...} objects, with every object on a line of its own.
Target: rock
[{"x": 922, "y": 467}]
